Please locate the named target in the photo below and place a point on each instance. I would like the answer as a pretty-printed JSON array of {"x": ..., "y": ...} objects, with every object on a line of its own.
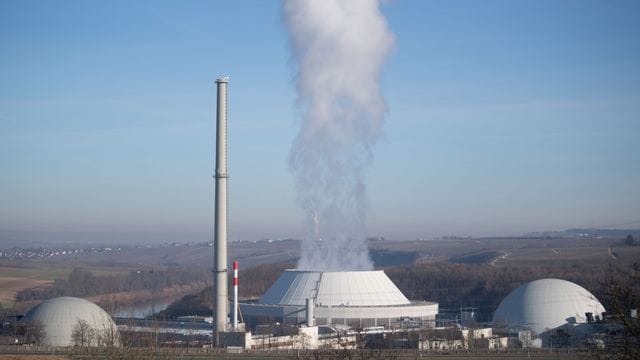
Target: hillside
[{"x": 451, "y": 285}]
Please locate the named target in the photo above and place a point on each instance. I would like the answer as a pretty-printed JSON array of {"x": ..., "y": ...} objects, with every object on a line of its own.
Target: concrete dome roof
[
  {"x": 61, "y": 315},
  {"x": 546, "y": 304},
  {"x": 334, "y": 288}
]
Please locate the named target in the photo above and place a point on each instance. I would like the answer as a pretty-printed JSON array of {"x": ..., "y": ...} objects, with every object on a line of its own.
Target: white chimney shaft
[{"x": 220, "y": 226}]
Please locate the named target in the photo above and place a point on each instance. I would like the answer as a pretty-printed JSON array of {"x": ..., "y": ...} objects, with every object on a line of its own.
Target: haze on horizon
[{"x": 504, "y": 117}]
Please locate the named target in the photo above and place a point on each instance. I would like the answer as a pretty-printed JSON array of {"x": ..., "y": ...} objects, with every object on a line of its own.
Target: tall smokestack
[{"x": 220, "y": 285}]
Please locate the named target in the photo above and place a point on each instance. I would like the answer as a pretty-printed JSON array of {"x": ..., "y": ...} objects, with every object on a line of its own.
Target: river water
[{"x": 142, "y": 310}]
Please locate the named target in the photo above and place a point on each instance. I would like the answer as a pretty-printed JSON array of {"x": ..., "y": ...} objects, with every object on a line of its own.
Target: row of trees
[
  {"x": 483, "y": 286},
  {"x": 254, "y": 282},
  {"x": 451, "y": 285},
  {"x": 85, "y": 335}
]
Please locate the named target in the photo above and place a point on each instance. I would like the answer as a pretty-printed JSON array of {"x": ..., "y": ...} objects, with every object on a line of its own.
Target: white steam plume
[{"x": 339, "y": 47}]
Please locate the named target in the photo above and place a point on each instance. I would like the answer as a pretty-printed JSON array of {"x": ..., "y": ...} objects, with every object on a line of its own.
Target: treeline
[
  {"x": 484, "y": 286},
  {"x": 256, "y": 281},
  {"x": 451, "y": 285},
  {"x": 82, "y": 283},
  {"x": 253, "y": 283}
]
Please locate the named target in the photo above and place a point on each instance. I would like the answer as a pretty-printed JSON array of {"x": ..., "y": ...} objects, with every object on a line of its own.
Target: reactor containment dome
[
  {"x": 545, "y": 305},
  {"x": 355, "y": 298},
  {"x": 60, "y": 317}
]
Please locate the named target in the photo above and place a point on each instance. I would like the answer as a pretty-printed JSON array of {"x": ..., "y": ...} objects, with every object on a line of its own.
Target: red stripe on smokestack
[
  {"x": 235, "y": 273},
  {"x": 235, "y": 296}
]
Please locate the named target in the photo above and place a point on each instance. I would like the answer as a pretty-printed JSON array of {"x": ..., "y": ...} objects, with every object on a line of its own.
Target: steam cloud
[{"x": 339, "y": 48}]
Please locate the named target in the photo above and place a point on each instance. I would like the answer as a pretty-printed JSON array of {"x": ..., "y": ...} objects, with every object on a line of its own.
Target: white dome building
[
  {"x": 354, "y": 298},
  {"x": 61, "y": 316},
  {"x": 545, "y": 305}
]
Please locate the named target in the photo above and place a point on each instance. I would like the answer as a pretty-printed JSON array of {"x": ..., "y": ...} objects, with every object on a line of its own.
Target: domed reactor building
[
  {"x": 60, "y": 317},
  {"x": 547, "y": 305},
  {"x": 354, "y": 298}
]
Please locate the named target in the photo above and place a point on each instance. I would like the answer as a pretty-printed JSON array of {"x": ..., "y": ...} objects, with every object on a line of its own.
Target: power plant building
[
  {"x": 61, "y": 317},
  {"x": 546, "y": 305},
  {"x": 355, "y": 298}
]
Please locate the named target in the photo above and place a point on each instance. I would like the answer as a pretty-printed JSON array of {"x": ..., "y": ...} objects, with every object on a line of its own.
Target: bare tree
[
  {"x": 623, "y": 295},
  {"x": 109, "y": 337},
  {"x": 33, "y": 331},
  {"x": 83, "y": 334}
]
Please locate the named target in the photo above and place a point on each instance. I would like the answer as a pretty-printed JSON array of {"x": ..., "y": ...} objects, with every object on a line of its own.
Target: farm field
[
  {"x": 10, "y": 286},
  {"x": 32, "y": 274},
  {"x": 516, "y": 252}
]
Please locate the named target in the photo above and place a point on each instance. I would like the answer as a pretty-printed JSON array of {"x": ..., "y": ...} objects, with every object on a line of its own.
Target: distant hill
[{"x": 621, "y": 233}]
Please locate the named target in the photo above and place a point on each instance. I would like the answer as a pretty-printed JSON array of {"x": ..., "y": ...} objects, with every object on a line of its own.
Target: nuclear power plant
[
  {"x": 312, "y": 309},
  {"x": 309, "y": 309},
  {"x": 476, "y": 201},
  {"x": 356, "y": 299},
  {"x": 317, "y": 307}
]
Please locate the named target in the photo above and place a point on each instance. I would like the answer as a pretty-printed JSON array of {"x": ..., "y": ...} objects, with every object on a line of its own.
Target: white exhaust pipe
[{"x": 309, "y": 312}]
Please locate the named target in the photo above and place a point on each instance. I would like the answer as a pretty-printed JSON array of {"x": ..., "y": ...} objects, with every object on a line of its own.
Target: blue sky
[{"x": 505, "y": 117}]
